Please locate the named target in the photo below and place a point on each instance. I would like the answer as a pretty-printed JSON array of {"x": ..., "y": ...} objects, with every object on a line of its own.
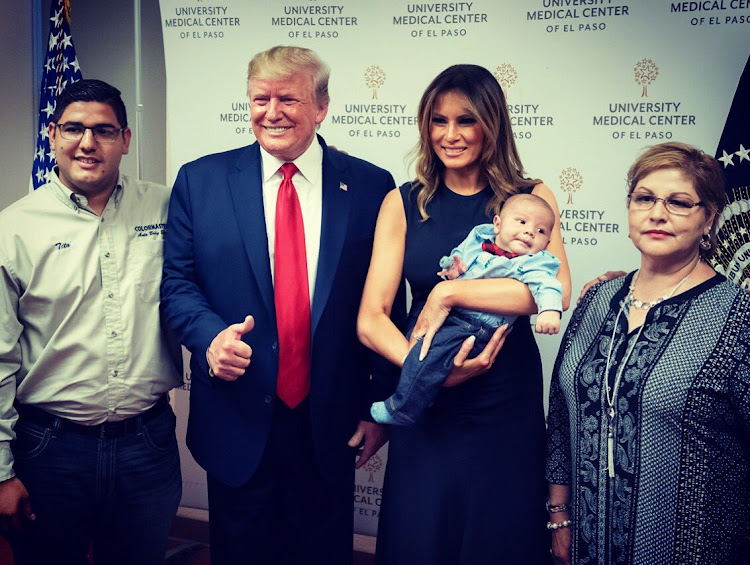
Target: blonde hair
[
  {"x": 499, "y": 159},
  {"x": 284, "y": 61}
]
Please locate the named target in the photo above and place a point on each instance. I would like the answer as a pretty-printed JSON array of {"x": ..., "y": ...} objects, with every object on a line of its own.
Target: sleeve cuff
[
  {"x": 6, "y": 462},
  {"x": 549, "y": 302}
]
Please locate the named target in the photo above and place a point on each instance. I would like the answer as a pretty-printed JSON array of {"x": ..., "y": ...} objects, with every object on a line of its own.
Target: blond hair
[{"x": 284, "y": 61}]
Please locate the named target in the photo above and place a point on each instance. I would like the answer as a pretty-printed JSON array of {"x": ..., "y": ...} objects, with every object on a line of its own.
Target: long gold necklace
[{"x": 610, "y": 393}]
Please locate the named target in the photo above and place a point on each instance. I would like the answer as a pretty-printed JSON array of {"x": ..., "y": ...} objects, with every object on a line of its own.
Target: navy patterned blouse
[{"x": 677, "y": 489}]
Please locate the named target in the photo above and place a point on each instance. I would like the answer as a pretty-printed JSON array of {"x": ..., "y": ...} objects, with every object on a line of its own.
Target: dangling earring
[{"x": 705, "y": 243}]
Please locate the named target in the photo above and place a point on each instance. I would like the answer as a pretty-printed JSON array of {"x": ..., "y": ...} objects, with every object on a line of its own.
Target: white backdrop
[{"x": 589, "y": 84}]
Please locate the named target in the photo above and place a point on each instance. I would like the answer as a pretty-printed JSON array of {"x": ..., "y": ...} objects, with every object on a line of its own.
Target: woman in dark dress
[{"x": 465, "y": 485}]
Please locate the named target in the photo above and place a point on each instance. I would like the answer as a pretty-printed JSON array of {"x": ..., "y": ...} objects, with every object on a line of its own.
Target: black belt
[{"x": 103, "y": 431}]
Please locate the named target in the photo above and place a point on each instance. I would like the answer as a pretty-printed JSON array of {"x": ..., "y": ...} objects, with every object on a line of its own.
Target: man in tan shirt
[{"x": 87, "y": 442}]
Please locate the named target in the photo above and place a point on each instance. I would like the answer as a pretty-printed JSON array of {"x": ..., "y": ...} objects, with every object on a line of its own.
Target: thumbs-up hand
[{"x": 228, "y": 356}]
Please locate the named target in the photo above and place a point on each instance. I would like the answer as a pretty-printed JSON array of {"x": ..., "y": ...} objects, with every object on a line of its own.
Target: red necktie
[{"x": 291, "y": 294}]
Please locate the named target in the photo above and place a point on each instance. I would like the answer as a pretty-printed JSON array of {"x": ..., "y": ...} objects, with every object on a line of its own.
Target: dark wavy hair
[
  {"x": 91, "y": 90},
  {"x": 499, "y": 159}
]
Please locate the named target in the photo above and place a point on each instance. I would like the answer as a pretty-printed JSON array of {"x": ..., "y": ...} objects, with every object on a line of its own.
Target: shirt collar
[
  {"x": 309, "y": 163},
  {"x": 65, "y": 195}
]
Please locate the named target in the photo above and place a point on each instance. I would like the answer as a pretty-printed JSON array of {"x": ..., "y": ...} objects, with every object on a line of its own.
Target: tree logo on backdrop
[
  {"x": 645, "y": 72},
  {"x": 571, "y": 181},
  {"x": 506, "y": 75},
  {"x": 372, "y": 466},
  {"x": 374, "y": 78}
]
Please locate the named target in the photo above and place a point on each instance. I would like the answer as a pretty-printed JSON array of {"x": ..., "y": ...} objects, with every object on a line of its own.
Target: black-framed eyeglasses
[
  {"x": 677, "y": 205},
  {"x": 74, "y": 132}
]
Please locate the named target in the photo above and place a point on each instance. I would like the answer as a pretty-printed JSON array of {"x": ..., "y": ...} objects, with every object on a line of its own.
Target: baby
[{"x": 521, "y": 233}]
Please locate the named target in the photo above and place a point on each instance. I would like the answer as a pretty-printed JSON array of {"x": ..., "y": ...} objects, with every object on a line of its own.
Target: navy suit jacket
[{"x": 217, "y": 271}]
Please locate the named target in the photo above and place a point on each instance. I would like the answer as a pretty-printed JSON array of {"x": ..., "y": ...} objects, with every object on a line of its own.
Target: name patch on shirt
[
  {"x": 62, "y": 245},
  {"x": 150, "y": 230}
]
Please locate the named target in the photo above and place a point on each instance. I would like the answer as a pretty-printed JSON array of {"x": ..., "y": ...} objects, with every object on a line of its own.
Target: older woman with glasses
[{"x": 649, "y": 421}]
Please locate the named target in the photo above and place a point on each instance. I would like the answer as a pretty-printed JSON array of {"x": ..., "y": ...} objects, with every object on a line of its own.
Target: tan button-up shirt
[{"x": 79, "y": 306}]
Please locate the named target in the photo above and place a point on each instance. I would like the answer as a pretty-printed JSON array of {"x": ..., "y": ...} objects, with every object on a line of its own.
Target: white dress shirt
[{"x": 308, "y": 182}]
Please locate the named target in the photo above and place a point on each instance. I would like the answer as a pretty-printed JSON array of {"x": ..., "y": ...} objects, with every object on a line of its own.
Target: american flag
[
  {"x": 732, "y": 257},
  {"x": 60, "y": 69}
]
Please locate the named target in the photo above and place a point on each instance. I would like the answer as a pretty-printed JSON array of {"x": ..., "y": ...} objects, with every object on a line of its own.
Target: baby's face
[{"x": 523, "y": 227}]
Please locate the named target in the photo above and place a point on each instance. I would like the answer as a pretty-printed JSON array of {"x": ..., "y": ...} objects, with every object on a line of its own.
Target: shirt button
[
  {"x": 107, "y": 254},
  {"x": 113, "y": 334},
  {"x": 268, "y": 399},
  {"x": 111, "y": 295},
  {"x": 115, "y": 374},
  {"x": 275, "y": 345}
]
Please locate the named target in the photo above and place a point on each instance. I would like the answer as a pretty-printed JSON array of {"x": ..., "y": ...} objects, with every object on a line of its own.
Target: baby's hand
[
  {"x": 548, "y": 322},
  {"x": 457, "y": 268}
]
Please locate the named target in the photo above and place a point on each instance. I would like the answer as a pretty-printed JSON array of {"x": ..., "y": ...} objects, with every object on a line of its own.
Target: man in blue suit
[{"x": 265, "y": 258}]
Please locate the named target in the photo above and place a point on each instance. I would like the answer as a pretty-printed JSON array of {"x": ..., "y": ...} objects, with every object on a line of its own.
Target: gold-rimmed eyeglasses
[{"x": 677, "y": 205}]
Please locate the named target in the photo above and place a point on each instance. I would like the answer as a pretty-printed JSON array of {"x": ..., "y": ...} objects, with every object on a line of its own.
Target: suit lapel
[
  {"x": 334, "y": 223},
  {"x": 246, "y": 187}
]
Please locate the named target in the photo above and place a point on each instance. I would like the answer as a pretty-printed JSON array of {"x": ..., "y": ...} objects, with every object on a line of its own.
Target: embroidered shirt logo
[
  {"x": 150, "y": 230},
  {"x": 62, "y": 245}
]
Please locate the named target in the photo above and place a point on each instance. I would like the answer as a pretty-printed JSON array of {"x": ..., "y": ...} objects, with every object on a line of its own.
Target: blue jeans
[
  {"x": 119, "y": 493},
  {"x": 420, "y": 381}
]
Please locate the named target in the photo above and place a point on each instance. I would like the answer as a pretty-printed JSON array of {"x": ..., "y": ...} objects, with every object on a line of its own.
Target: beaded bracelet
[
  {"x": 558, "y": 525},
  {"x": 553, "y": 508}
]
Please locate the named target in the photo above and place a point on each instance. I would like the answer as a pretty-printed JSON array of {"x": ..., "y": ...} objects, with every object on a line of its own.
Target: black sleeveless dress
[{"x": 466, "y": 484}]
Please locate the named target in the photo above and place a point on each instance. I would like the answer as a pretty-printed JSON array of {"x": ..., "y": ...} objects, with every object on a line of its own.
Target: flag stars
[
  {"x": 743, "y": 153},
  {"x": 57, "y": 18},
  {"x": 61, "y": 68},
  {"x": 726, "y": 159}
]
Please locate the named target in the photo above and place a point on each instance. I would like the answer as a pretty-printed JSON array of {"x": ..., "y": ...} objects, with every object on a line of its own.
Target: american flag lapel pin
[{"x": 342, "y": 186}]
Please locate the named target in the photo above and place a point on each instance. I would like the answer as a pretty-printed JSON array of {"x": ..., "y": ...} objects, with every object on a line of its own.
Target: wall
[
  {"x": 103, "y": 36},
  {"x": 17, "y": 114}
]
